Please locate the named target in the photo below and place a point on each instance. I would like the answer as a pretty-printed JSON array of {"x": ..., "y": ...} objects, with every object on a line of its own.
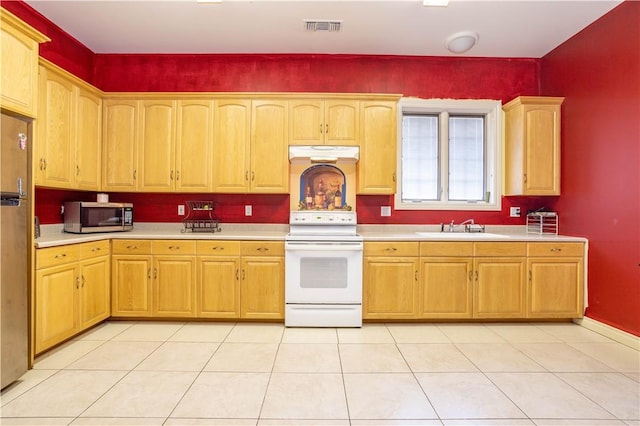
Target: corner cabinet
[
  {"x": 250, "y": 147},
  {"x": 68, "y": 129},
  {"x": 19, "y": 47},
  {"x": 378, "y": 147},
  {"x": 71, "y": 291},
  {"x": 532, "y": 146}
]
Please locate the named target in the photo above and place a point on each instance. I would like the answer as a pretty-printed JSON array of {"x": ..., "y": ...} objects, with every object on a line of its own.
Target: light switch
[
  {"x": 248, "y": 210},
  {"x": 180, "y": 209}
]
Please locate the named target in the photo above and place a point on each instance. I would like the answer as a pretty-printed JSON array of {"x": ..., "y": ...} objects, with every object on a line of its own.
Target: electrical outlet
[
  {"x": 248, "y": 210},
  {"x": 180, "y": 209},
  {"x": 514, "y": 212},
  {"x": 385, "y": 211}
]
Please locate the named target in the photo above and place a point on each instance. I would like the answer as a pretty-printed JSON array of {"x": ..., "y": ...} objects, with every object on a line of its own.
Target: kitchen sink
[{"x": 462, "y": 235}]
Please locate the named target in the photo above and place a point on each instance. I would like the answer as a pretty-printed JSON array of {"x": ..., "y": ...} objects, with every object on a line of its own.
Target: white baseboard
[{"x": 613, "y": 333}]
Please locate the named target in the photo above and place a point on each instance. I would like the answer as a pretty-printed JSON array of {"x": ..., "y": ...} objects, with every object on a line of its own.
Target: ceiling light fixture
[
  {"x": 461, "y": 42},
  {"x": 435, "y": 3}
]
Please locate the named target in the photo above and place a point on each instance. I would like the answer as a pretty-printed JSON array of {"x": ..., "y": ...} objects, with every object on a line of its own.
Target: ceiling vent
[{"x": 313, "y": 25}]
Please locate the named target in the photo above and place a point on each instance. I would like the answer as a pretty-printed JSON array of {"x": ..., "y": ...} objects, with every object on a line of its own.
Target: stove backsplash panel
[{"x": 322, "y": 186}]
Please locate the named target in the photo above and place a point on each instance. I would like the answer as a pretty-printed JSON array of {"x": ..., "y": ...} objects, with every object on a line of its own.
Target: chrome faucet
[{"x": 452, "y": 226}]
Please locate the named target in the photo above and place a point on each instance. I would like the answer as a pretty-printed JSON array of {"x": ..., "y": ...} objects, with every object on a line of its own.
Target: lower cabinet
[
  {"x": 390, "y": 277},
  {"x": 72, "y": 291},
  {"x": 555, "y": 280},
  {"x": 153, "y": 278},
  {"x": 446, "y": 278},
  {"x": 467, "y": 280},
  {"x": 203, "y": 279}
]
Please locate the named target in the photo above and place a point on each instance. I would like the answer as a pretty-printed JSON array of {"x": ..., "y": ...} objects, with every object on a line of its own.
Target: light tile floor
[{"x": 175, "y": 373}]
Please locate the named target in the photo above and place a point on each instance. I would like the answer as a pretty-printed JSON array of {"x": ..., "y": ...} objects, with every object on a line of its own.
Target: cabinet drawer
[
  {"x": 94, "y": 249},
  {"x": 220, "y": 248},
  {"x": 131, "y": 247},
  {"x": 57, "y": 255},
  {"x": 174, "y": 247},
  {"x": 448, "y": 249},
  {"x": 262, "y": 248},
  {"x": 555, "y": 249},
  {"x": 500, "y": 249},
  {"x": 392, "y": 248}
]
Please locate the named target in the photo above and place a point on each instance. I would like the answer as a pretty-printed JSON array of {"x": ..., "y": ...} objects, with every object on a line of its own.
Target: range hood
[{"x": 324, "y": 153}]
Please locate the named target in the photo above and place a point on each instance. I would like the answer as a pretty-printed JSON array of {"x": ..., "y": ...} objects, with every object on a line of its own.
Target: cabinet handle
[
  {"x": 177, "y": 175},
  {"x": 171, "y": 175},
  {"x": 243, "y": 274},
  {"x": 326, "y": 128},
  {"x": 44, "y": 161},
  {"x": 237, "y": 272},
  {"x": 83, "y": 281},
  {"x": 155, "y": 273},
  {"x": 217, "y": 248},
  {"x": 60, "y": 256},
  {"x": 525, "y": 178},
  {"x": 390, "y": 249},
  {"x": 416, "y": 275},
  {"x": 530, "y": 276},
  {"x": 253, "y": 176},
  {"x": 149, "y": 273},
  {"x": 470, "y": 275},
  {"x": 476, "y": 275},
  {"x": 321, "y": 128},
  {"x": 77, "y": 282},
  {"x": 132, "y": 247},
  {"x": 246, "y": 175},
  {"x": 135, "y": 174},
  {"x": 263, "y": 249},
  {"x": 95, "y": 249},
  {"x": 174, "y": 247},
  {"x": 394, "y": 177},
  {"x": 556, "y": 250},
  {"x": 41, "y": 164},
  {"x": 77, "y": 170}
]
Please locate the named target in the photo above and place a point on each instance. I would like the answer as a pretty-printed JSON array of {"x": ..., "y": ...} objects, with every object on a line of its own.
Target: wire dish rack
[
  {"x": 200, "y": 217},
  {"x": 542, "y": 223}
]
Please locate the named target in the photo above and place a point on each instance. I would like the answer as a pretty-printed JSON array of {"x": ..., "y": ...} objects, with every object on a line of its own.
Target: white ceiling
[{"x": 506, "y": 28}]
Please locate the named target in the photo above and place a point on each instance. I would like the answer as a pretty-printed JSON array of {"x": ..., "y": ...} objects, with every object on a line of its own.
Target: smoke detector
[{"x": 313, "y": 25}]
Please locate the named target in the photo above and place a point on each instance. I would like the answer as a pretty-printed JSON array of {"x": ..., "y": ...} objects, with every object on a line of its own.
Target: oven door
[{"x": 323, "y": 272}]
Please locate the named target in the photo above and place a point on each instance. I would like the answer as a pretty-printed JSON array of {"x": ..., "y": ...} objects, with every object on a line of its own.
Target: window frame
[{"x": 492, "y": 112}]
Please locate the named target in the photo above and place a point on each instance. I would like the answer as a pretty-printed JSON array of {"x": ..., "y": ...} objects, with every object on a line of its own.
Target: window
[{"x": 449, "y": 155}]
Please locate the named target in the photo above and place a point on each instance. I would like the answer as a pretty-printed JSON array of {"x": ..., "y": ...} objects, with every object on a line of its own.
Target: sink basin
[{"x": 462, "y": 235}]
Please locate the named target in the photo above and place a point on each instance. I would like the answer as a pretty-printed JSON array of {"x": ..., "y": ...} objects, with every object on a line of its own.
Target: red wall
[{"x": 598, "y": 71}]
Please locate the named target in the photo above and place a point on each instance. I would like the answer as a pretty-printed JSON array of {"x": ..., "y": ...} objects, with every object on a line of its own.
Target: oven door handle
[{"x": 323, "y": 246}]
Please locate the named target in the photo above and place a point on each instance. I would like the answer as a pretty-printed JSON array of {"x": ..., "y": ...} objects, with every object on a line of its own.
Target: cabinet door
[
  {"x": 194, "y": 146},
  {"x": 341, "y": 122},
  {"x": 499, "y": 288},
  {"x": 306, "y": 125},
  {"x": 542, "y": 150},
  {"x": 269, "y": 150},
  {"x": 555, "y": 288},
  {"x": 390, "y": 288},
  {"x": 446, "y": 290},
  {"x": 56, "y": 305},
  {"x": 88, "y": 141},
  {"x": 174, "y": 286},
  {"x": 156, "y": 146},
  {"x": 94, "y": 304},
  {"x": 56, "y": 145},
  {"x": 131, "y": 286},
  {"x": 120, "y": 145},
  {"x": 231, "y": 146},
  {"x": 218, "y": 287},
  {"x": 378, "y": 135},
  {"x": 262, "y": 287}
]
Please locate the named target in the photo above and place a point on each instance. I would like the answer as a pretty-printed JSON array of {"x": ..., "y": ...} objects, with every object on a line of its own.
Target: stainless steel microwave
[{"x": 82, "y": 217}]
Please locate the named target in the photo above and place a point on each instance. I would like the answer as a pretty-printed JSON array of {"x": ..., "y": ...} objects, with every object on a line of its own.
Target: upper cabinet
[
  {"x": 378, "y": 147},
  {"x": 250, "y": 146},
  {"x": 532, "y": 146},
  {"x": 68, "y": 131},
  {"x": 19, "y": 64},
  {"x": 323, "y": 122},
  {"x": 157, "y": 145}
]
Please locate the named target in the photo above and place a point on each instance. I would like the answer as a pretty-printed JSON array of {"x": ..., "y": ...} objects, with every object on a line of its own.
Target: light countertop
[{"x": 52, "y": 235}]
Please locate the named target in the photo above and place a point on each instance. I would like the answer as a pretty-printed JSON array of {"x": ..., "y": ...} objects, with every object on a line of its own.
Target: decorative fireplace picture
[{"x": 323, "y": 187}]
